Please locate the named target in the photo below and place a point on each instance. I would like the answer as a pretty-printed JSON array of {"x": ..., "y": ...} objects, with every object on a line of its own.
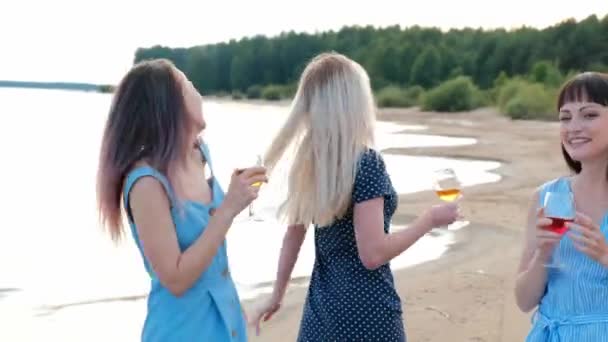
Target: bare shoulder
[{"x": 147, "y": 190}]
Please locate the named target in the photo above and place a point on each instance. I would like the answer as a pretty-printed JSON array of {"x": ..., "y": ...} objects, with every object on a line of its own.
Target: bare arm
[
  {"x": 292, "y": 242},
  {"x": 375, "y": 247},
  {"x": 177, "y": 270},
  {"x": 531, "y": 279}
]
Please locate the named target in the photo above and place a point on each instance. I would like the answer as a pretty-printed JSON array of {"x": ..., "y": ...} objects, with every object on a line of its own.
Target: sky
[{"x": 94, "y": 41}]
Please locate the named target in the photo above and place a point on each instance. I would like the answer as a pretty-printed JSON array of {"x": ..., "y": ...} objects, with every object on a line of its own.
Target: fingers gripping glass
[
  {"x": 559, "y": 208},
  {"x": 448, "y": 188},
  {"x": 252, "y": 214}
]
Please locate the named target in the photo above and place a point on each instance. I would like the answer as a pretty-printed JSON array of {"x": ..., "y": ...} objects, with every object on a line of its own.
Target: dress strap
[
  {"x": 207, "y": 155},
  {"x": 140, "y": 172}
]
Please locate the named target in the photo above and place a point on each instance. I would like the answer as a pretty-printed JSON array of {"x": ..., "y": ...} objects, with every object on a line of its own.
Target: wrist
[
  {"x": 541, "y": 257},
  {"x": 278, "y": 293},
  {"x": 425, "y": 223},
  {"x": 604, "y": 260},
  {"x": 225, "y": 214}
]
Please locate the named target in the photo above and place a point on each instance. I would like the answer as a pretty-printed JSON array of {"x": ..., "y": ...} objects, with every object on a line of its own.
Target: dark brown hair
[
  {"x": 589, "y": 87},
  {"x": 147, "y": 121}
]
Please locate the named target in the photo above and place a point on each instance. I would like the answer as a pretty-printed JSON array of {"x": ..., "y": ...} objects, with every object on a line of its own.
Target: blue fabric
[
  {"x": 346, "y": 301},
  {"x": 575, "y": 304},
  {"x": 210, "y": 310}
]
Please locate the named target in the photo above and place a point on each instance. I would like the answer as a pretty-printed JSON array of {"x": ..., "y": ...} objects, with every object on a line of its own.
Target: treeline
[{"x": 405, "y": 65}]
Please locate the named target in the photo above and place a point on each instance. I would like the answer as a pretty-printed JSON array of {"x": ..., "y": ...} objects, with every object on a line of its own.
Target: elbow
[
  {"x": 176, "y": 290},
  {"x": 524, "y": 303},
  {"x": 176, "y": 287},
  {"x": 525, "y": 306},
  {"x": 371, "y": 261}
]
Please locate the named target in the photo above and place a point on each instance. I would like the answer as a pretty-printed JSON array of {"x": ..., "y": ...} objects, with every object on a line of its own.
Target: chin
[{"x": 585, "y": 157}]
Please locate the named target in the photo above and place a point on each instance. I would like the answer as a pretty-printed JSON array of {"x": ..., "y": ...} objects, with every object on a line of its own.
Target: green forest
[{"x": 518, "y": 70}]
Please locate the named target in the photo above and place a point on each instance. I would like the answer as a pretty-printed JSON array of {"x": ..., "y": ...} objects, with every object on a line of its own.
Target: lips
[{"x": 578, "y": 141}]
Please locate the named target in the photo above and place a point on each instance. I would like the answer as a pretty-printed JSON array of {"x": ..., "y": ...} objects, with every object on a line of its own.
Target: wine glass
[
  {"x": 251, "y": 214},
  {"x": 559, "y": 207},
  {"x": 448, "y": 189}
]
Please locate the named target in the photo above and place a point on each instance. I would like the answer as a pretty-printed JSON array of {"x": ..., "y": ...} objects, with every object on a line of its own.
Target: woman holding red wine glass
[{"x": 564, "y": 266}]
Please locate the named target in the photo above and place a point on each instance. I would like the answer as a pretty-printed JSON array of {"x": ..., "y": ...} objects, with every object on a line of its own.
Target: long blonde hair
[{"x": 331, "y": 122}]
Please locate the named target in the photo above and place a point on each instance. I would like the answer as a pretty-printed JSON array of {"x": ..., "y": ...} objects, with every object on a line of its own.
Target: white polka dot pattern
[{"x": 346, "y": 301}]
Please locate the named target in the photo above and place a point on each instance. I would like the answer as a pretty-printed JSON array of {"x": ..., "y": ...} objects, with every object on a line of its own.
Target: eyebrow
[
  {"x": 565, "y": 110},
  {"x": 584, "y": 107}
]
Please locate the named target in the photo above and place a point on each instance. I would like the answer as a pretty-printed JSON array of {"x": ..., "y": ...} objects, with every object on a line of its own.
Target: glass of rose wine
[
  {"x": 559, "y": 207},
  {"x": 447, "y": 187}
]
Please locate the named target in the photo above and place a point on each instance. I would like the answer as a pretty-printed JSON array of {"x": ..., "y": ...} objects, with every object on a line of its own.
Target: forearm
[
  {"x": 398, "y": 242},
  {"x": 292, "y": 242},
  {"x": 196, "y": 259},
  {"x": 531, "y": 284}
]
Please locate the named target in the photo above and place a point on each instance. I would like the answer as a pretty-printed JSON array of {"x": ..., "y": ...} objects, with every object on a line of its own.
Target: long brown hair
[
  {"x": 587, "y": 86},
  {"x": 147, "y": 121}
]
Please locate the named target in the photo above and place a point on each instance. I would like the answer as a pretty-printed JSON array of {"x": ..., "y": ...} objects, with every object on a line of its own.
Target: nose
[{"x": 574, "y": 126}]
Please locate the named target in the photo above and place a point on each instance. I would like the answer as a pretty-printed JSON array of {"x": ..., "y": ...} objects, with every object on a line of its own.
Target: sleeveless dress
[
  {"x": 345, "y": 301},
  {"x": 210, "y": 310},
  {"x": 575, "y": 304}
]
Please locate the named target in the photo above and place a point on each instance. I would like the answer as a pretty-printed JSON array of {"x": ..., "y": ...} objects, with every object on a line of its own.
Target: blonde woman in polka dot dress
[{"x": 339, "y": 184}]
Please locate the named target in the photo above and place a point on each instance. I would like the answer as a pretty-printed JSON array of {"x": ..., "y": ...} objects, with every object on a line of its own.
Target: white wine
[
  {"x": 448, "y": 195},
  {"x": 258, "y": 163}
]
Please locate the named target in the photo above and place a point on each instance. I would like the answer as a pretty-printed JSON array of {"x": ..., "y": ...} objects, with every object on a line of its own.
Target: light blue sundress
[
  {"x": 575, "y": 304},
  {"x": 210, "y": 310}
]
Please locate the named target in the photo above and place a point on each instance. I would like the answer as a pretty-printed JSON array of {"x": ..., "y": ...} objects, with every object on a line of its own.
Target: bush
[
  {"x": 222, "y": 93},
  {"x": 509, "y": 90},
  {"x": 106, "y": 88},
  {"x": 458, "y": 94},
  {"x": 289, "y": 90},
  {"x": 519, "y": 99},
  {"x": 272, "y": 92},
  {"x": 546, "y": 73},
  {"x": 254, "y": 92},
  {"x": 393, "y": 96},
  {"x": 237, "y": 95},
  {"x": 598, "y": 67}
]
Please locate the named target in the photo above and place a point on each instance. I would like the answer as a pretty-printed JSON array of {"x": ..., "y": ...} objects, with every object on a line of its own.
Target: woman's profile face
[{"x": 193, "y": 101}]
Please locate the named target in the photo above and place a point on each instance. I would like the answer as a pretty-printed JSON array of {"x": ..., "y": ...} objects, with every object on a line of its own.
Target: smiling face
[
  {"x": 583, "y": 113},
  {"x": 584, "y": 130}
]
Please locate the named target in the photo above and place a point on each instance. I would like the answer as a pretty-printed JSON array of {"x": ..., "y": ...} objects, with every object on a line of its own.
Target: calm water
[{"x": 52, "y": 251}]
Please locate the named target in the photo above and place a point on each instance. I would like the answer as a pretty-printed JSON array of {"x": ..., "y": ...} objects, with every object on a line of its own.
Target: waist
[
  {"x": 217, "y": 282},
  {"x": 551, "y": 322}
]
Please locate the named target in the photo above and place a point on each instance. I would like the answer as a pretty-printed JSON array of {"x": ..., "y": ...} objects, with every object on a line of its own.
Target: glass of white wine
[
  {"x": 252, "y": 215},
  {"x": 448, "y": 188}
]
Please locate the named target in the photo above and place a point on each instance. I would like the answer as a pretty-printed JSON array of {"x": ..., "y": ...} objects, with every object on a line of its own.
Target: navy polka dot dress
[{"x": 346, "y": 301}]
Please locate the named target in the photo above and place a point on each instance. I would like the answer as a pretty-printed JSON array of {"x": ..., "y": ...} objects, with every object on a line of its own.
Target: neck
[{"x": 593, "y": 177}]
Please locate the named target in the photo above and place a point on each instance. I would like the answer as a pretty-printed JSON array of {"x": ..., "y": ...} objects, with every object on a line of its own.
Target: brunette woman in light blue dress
[
  {"x": 152, "y": 159},
  {"x": 571, "y": 301}
]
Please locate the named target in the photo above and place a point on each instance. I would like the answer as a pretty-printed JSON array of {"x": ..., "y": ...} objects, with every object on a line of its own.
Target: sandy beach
[{"x": 467, "y": 294}]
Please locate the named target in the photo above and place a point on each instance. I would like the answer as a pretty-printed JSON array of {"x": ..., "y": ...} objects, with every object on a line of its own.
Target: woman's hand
[
  {"x": 589, "y": 239},
  {"x": 442, "y": 214},
  {"x": 266, "y": 311},
  {"x": 241, "y": 191},
  {"x": 546, "y": 240}
]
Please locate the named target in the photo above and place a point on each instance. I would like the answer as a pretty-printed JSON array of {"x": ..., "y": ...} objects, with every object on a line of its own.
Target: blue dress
[
  {"x": 210, "y": 310},
  {"x": 575, "y": 304},
  {"x": 346, "y": 301}
]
